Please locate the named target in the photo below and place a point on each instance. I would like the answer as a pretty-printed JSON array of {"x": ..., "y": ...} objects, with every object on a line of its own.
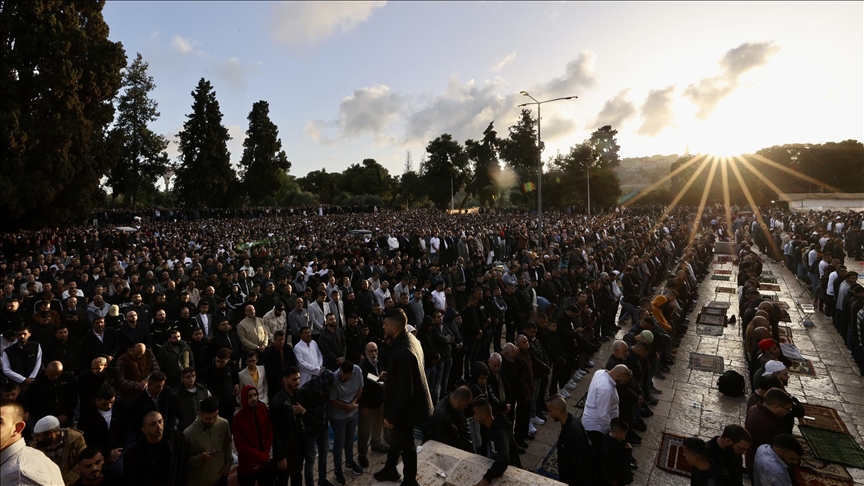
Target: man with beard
[
  {"x": 22, "y": 465},
  {"x": 100, "y": 375},
  {"x": 100, "y": 342},
  {"x": 160, "y": 456},
  {"x": 61, "y": 445},
  {"x": 89, "y": 469},
  {"x": 288, "y": 429},
  {"x": 209, "y": 438},
  {"x": 574, "y": 448},
  {"x": 727, "y": 450},
  {"x": 105, "y": 425}
]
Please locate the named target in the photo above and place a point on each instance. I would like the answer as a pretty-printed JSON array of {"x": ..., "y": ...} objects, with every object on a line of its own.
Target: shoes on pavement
[
  {"x": 364, "y": 461},
  {"x": 563, "y": 393},
  {"x": 520, "y": 450},
  {"x": 531, "y": 429},
  {"x": 660, "y": 375},
  {"x": 353, "y": 469},
  {"x": 570, "y": 385},
  {"x": 640, "y": 426},
  {"x": 387, "y": 474},
  {"x": 633, "y": 437},
  {"x": 645, "y": 411},
  {"x": 664, "y": 367},
  {"x": 339, "y": 477},
  {"x": 537, "y": 421},
  {"x": 590, "y": 364},
  {"x": 521, "y": 444},
  {"x": 530, "y": 437},
  {"x": 656, "y": 391},
  {"x": 381, "y": 447}
]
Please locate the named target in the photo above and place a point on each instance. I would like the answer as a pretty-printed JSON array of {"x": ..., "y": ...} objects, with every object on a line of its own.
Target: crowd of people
[{"x": 167, "y": 354}]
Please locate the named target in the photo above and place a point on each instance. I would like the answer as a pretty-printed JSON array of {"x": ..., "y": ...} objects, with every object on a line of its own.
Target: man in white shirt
[
  {"x": 439, "y": 298},
  {"x": 601, "y": 404},
  {"x": 383, "y": 293},
  {"x": 434, "y": 245},
  {"x": 22, "y": 465},
  {"x": 309, "y": 357}
]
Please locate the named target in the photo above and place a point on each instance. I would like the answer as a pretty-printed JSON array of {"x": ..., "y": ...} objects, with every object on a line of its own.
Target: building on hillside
[{"x": 835, "y": 201}]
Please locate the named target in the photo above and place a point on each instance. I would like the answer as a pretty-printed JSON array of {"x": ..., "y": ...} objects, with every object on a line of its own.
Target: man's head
[
  {"x": 483, "y": 412},
  {"x": 252, "y": 398},
  {"x": 778, "y": 369},
  {"x": 105, "y": 398},
  {"x": 736, "y": 439},
  {"x": 330, "y": 321},
  {"x": 557, "y": 408},
  {"x": 251, "y": 360},
  {"x": 346, "y": 371},
  {"x": 695, "y": 452},
  {"x": 619, "y": 349},
  {"x": 371, "y": 352},
  {"x": 249, "y": 311},
  {"x": 132, "y": 318},
  {"x": 156, "y": 383},
  {"x": 208, "y": 411},
  {"x": 11, "y": 422},
  {"x": 306, "y": 334},
  {"x": 460, "y": 398},
  {"x": 522, "y": 343},
  {"x": 53, "y": 370},
  {"x": 291, "y": 378},
  {"x": 187, "y": 377},
  {"x": 494, "y": 363},
  {"x": 618, "y": 428},
  {"x": 395, "y": 321},
  {"x": 787, "y": 448},
  {"x": 90, "y": 462},
  {"x": 98, "y": 365},
  {"x": 22, "y": 335},
  {"x": 153, "y": 426},
  {"x": 778, "y": 401},
  {"x": 223, "y": 356},
  {"x": 46, "y": 432},
  {"x": 621, "y": 374}
]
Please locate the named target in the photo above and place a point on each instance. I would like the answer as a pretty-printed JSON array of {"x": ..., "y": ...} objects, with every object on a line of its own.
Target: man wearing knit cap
[
  {"x": 62, "y": 446},
  {"x": 22, "y": 464}
]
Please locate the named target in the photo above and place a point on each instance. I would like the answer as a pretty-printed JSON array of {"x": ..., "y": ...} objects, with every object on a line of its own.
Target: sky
[{"x": 348, "y": 81}]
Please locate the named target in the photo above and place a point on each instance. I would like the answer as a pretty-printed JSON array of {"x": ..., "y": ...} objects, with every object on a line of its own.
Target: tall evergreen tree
[
  {"x": 205, "y": 176},
  {"x": 264, "y": 161},
  {"x": 519, "y": 150},
  {"x": 484, "y": 154},
  {"x": 447, "y": 162},
  {"x": 144, "y": 158},
  {"x": 59, "y": 75}
]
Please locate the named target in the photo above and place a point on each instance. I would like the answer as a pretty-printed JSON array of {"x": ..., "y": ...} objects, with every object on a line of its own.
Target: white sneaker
[
  {"x": 563, "y": 393},
  {"x": 531, "y": 429},
  {"x": 580, "y": 373},
  {"x": 590, "y": 363},
  {"x": 537, "y": 421}
]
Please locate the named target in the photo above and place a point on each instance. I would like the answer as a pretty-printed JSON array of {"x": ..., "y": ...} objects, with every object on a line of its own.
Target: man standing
[
  {"x": 727, "y": 450},
  {"x": 53, "y": 392},
  {"x": 371, "y": 405},
  {"x": 161, "y": 456},
  {"x": 60, "y": 445},
  {"x": 188, "y": 399},
  {"x": 134, "y": 367},
  {"x": 209, "y": 438},
  {"x": 771, "y": 466},
  {"x": 278, "y": 357},
  {"x": 174, "y": 357},
  {"x": 252, "y": 331},
  {"x": 106, "y": 426},
  {"x": 253, "y": 437},
  {"x": 500, "y": 446},
  {"x": 601, "y": 405},
  {"x": 575, "y": 466},
  {"x": 22, "y": 465},
  {"x": 332, "y": 344},
  {"x": 309, "y": 357},
  {"x": 286, "y": 413},
  {"x": 223, "y": 383},
  {"x": 344, "y": 397},
  {"x": 23, "y": 360},
  {"x": 406, "y": 398},
  {"x": 765, "y": 421},
  {"x": 154, "y": 398}
]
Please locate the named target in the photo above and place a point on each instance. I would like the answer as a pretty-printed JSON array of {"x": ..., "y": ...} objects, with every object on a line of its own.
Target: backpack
[{"x": 731, "y": 384}]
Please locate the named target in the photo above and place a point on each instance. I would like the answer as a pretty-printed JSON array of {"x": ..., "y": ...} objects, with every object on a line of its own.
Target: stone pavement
[{"x": 691, "y": 404}]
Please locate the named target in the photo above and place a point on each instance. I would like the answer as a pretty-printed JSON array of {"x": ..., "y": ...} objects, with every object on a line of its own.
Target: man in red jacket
[{"x": 253, "y": 438}]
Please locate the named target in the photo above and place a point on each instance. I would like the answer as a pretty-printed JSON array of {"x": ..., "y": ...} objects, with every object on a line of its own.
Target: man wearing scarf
[{"x": 253, "y": 437}]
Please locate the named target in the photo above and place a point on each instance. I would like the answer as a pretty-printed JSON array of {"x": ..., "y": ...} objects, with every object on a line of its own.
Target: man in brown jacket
[
  {"x": 62, "y": 446},
  {"x": 134, "y": 367}
]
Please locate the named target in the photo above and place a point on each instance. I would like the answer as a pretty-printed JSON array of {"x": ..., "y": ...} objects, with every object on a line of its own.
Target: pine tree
[
  {"x": 144, "y": 158},
  {"x": 205, "y": 176},
  {"x": 264, "y": 160},
  {"x": 59, "y": 75},
  {"x": 519, "y": 150}
]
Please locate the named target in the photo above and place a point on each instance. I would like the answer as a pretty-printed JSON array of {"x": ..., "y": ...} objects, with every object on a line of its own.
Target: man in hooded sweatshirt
[{"x": 253, "y": 438}]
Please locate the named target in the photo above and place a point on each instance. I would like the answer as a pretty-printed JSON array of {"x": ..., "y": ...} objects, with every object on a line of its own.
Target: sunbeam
[
  {"x": 680, "y": 195},
  {"x": 764, "y": 179},
  {"x": 755, "y": 208},
  {"x": 795, "y": 173},
  {"x": 662, "y": 181},
  {"x": 726, "y": 199},
  {"x": 697, "y": 220}
]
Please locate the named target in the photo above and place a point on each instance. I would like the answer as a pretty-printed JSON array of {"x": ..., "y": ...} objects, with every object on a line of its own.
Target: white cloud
[
  {"x": 503, "y": 62},
  {"x": 615, "y": 111},
  {"x": 657, "y": 112},
  {"x": 368, "y": 110},
  {"x": 183, "y": 45},
  {"x": 707, "y": 93},
  {"x": 234, "y": 73},
  {"x": 306, "y": 23}
]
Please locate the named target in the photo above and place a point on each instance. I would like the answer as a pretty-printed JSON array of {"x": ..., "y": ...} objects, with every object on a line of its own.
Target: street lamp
[{"x": 540, "y": 161}]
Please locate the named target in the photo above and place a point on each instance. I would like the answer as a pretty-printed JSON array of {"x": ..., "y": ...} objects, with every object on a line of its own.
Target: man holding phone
[{"x": 209, "y": 439}]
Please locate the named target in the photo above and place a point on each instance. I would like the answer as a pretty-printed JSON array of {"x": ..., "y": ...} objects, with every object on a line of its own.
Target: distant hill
[{"x": 640, "y": 172}]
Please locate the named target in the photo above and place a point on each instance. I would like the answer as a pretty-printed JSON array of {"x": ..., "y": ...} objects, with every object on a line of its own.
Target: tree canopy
[{"x": 264, "y": 162}]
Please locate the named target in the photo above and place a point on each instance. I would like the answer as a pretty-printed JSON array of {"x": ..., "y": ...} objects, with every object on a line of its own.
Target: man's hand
[
  {"x": 208, "y": 456},
  {"x": 507, "y": 409},
  {"x": 26, "y": 382},
  {"x": 141, "y": 385},
  {"x": 641, "y": 401},
  {"x": 115, "y": 454},
  {"x": 628, "y": 446},
  {"x": 339, "y": 361},
  {"x": 236, "y": 389},
  {"x": 261, "y": 348},
  {"x": 226, "y": 470},
  {"x": 62, "y": 418},
  {"x": 283, "y": 464},
  {"x": 298, "y": 409},
  {"x": 382, "y": 376},
  {"x": 109, "y": 358},
  {"x": 388, "y": 424}
]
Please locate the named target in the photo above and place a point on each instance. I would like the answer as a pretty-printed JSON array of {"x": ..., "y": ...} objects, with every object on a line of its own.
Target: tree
[
  {"x": 144, "y": 158},
  {"x": 368, "y": 177},
  {"x": 484, "y": 155},
  {"x": 519, "y": 150},
  {"x": 321, "y": 183},
  {"x": 264, "y": 160},
  {"x": 447, "y": 162},
  {"x": 60, "y": 73},
  {"x": 205, "y": 176},
  {"x": 566, "y": 183}
]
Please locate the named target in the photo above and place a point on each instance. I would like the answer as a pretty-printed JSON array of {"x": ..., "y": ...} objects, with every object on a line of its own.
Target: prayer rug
[
  {"x": 785, "y": 332},
  {"x": 721, "y": 271},
  {"x": 723, "y": 259},
  {"x": 726, "y": 290},
  {"x": 549, "y": 467},
  {"x": 768, "y": 280},
  {"x": 725, "y": 278},
  {"x": 711, "y": 319},
  {"x": 671, "y": 455},
  {"x": 718, "y": 304},
  {"x": 708, "y": 330},
  {"x": 826, "y": 418},
  {"x": 803, "y": 368},
  {"x": 581, "y": 402},
  {"x": 769, "y": 287},
  {"x": 784, "y": 316},
  {"x": 821, "y": 468},
  {"x": 714, "y": 311},
  {"x": 833, "y": 447},
  {"x": 781, "y": 305},
  {"x": 807, "y": 477},
  {"x": 704, "y": 362}
]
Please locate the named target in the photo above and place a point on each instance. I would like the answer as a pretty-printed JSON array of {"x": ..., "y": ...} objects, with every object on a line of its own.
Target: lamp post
[{"x": 540, "y": 161}]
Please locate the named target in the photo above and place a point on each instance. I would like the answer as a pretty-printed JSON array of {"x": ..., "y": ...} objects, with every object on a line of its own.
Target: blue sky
[{"x": 353, "y": 80}]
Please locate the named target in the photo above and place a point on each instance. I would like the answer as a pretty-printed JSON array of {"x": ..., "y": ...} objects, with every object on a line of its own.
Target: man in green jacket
[
  {"x": 174, "y": 356},
  {"x": 209, "y": 439}
]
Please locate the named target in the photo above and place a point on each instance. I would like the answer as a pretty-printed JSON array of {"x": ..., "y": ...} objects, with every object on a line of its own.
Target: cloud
[
  {"x": 367, "y": 110},
  {"x": 707, "y": 93},
  {"x": 657, "y": 112},
  {"x": 463, "y": 109},
  {"x": 234, "y": 73},
  {"x": 503, "y": 62},
  {"x": 183, "y": 45},
  {"x": 615, "y": 111},
  {"x": 306, "y": 23}
]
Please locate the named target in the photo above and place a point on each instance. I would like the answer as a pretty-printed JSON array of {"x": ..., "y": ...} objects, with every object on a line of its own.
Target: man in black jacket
[
  {"x": 160, "y": 456},
  {"x": 154, "y": 398},
  {"x": 286, "y": 413},
  {"x": 575, "y": 466},
  {"x": 106, "y": 426},
  {"x": 223, "y": 383},
  {"x": 53, "y": 392},
  {"x": 501, "y": 445},
  {"x": 371, "y": 406},
  {"x": 406, "y": 398},
  {"x": 101, "y": 342},
  {"x": 278, "y": 357},
  {"x": 447, "y": 424},
  {"x": 726, "y": 450},
  {"x": 92, "y": 381}
]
